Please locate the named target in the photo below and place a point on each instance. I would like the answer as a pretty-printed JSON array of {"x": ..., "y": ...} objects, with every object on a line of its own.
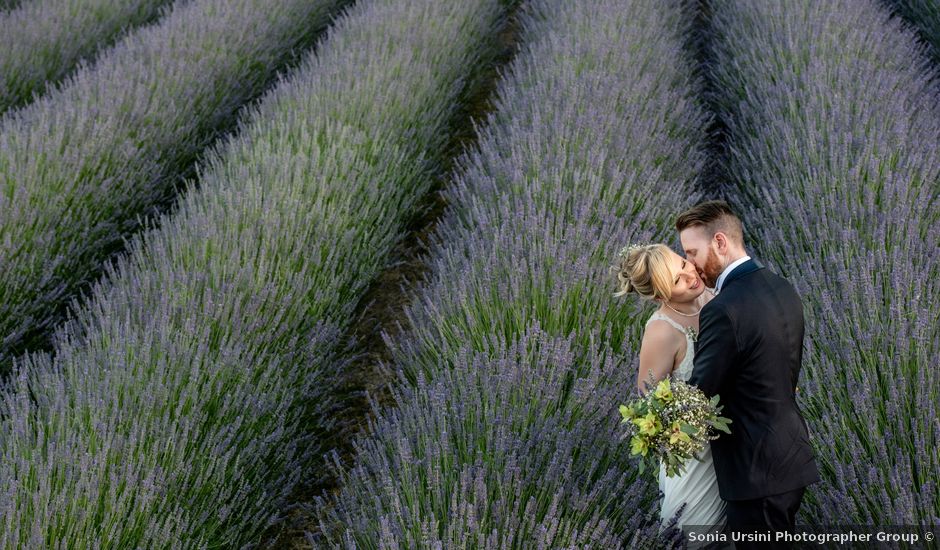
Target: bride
[{"x": 656, "y": 273}]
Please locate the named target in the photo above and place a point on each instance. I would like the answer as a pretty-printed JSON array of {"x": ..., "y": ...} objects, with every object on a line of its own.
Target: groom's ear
[{"x": 722, "y": 240}]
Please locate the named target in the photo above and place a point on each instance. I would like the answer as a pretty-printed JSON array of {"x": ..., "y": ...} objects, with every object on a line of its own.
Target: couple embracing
[{"x": 735, "y": 329}]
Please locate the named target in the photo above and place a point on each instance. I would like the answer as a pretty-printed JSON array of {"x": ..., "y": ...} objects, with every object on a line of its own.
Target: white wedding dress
[{"x": 698, "y": 485}]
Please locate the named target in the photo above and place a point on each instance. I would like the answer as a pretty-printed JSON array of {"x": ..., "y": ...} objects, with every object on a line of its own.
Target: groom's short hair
[{"x": 713, "y": 216}]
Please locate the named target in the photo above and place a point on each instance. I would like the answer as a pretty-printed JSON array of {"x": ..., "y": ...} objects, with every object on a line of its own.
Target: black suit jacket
[{"x": 749, "y": 352}]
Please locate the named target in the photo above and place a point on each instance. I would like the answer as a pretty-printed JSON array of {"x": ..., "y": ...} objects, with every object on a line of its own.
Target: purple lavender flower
[
  {"x": 44, "y": 40},
  {"x": 83, "y": 165},
  {"x": 516, "y": 354},
  {"x": 924, "y": 15},
  {"x": 184, "y": 401},
  {"x": 832, "y": 156},
  {"x": 509, "y": 447}
]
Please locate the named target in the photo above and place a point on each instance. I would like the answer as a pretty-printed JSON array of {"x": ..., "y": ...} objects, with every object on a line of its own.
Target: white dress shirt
[{"x": 729, "y": 269}]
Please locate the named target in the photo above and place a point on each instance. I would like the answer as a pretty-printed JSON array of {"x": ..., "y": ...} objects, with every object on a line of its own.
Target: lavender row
[
  {"x": 44, "y": 40},
  {"x": 833, "y": 155},
  {"x": 488, "y": 455},
  {"x": 516, "y": 355},
  {"x": 83, "y": 165},
  {"x": 179, "y": 407},
  {"x": 924, "y": 15}
]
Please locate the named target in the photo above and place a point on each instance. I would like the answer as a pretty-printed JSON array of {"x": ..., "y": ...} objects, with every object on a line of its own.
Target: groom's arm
[{"x": 716, "y": 350}]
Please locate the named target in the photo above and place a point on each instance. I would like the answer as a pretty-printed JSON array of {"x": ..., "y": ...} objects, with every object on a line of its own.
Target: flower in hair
[{"x": 625, "y": 251}]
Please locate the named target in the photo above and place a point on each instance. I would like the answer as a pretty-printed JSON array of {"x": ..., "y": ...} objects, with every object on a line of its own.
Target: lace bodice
[{"x": 684, "y": 370}]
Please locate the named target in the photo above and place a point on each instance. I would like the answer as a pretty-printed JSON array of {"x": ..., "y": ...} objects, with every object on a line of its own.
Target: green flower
[
  {"x": 678, "y": 435},
  {"x": 663, "y": 391},
  {"x": 639, "y": 445},
  {"x": 627, "y": 413},
  {"x": 648, "y": 425}
]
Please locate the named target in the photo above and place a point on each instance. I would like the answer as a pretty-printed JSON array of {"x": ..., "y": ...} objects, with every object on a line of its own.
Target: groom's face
[{"x": 701, "y": 251}]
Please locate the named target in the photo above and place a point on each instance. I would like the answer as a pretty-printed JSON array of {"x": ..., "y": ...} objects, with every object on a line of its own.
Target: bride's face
[
  {"x": 700, "y": 250},
  {"x": 687, "y": 285}
]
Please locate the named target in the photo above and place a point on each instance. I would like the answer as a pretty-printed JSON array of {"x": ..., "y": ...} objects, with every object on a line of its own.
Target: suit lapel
[{"x": 749, "y": 266}]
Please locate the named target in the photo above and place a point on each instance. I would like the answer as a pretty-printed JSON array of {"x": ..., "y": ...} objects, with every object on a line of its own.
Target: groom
[{"x": 749, "y": 351}]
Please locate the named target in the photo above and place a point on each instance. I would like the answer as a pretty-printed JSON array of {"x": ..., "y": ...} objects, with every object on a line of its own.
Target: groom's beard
[{"x": 712, "y": 269}]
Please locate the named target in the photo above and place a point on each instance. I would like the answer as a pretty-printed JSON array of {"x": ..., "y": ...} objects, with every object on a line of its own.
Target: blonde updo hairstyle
[{"x": 644, "y": 269}]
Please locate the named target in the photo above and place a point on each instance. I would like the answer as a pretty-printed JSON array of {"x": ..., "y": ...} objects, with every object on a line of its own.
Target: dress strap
[{"x": 659, "y": 316}]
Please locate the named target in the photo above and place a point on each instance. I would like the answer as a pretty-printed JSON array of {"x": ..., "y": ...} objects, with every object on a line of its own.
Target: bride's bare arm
[{"x": 657, "y": 353}]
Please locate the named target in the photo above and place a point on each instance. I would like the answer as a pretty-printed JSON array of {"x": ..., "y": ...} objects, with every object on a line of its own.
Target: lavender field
[
  {"x": 498, "y": 397},
  {"x": 45, "y": 40},
  {"x": 83, "y": 166},
  {"x": 201, "y": 203},
  {"x": 840, "y": 183},
  {"x": 923, "y": 16}
]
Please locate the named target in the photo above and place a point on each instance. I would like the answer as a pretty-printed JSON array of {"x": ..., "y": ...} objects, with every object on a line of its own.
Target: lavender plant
[
  {"x": 589, "y": 147},
  {"x": 833, "y": 154},
  {"x": 594, "y": 143},
  {"x": 494, "y": 444},
  {"x": 174, "y": 411},
  {"x": 924, "y": 15},
  {"x": 43, "y": 40},
  {"x": 81, "y": 167}
]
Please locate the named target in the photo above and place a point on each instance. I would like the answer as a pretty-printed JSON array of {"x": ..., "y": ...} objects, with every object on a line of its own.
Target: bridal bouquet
[{"x": 672, "y": 423}]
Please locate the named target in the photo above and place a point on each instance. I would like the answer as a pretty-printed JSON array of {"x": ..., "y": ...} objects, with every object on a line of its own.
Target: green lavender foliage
[
  {"x": 924, "y": 15},
  {"x": 592, "y": 145},
  {"x": 9, "y": 4},
  {"x": 44, "y": 40},
  {"x": 501, "y": 450},
  {"x": 516, "y": 353},
  {"x": 81, "y": 167},
  {"x": 832, "y": 156},
  {"x": 180, "y": 405}
]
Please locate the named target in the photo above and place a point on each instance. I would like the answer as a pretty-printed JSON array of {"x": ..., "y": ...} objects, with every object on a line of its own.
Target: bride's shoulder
[
  {"x": 659, "y": 349},
  {"x": 659, "y": 334}
]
